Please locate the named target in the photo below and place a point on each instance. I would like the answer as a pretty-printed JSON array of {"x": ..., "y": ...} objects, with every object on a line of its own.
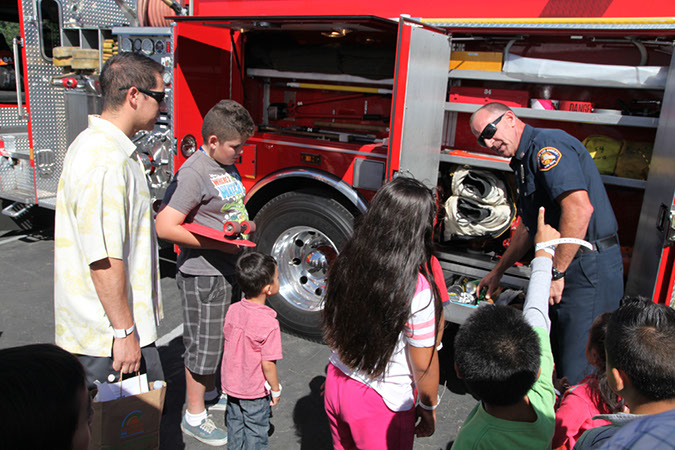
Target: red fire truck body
[{"x": 348, "y": 95}]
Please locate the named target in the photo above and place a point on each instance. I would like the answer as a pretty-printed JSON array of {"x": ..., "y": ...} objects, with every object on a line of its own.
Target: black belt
[{"x": 600, "y": 244}]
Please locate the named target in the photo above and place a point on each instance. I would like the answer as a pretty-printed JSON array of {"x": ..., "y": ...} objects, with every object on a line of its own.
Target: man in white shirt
[{"x": 106, "y": 274}]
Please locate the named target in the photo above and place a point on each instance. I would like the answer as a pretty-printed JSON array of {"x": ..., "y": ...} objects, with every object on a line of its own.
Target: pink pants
[{"x": 359, "y": 418}]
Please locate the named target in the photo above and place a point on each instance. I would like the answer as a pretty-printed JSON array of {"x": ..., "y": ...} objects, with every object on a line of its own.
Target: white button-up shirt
[{"x": 103, "y": 210}]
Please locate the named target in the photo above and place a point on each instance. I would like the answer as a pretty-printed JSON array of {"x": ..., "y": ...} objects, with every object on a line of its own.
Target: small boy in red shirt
[{"x": 252, "y": 347}]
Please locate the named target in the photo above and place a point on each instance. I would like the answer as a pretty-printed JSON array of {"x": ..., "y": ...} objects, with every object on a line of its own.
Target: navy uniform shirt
[{"x": 549, "y": 163}]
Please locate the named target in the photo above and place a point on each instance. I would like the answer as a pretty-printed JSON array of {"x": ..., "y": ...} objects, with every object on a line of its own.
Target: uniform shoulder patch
[{"x": 548, "y": 158}]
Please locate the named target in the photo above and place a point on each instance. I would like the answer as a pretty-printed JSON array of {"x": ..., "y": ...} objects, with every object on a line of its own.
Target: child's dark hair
[
  {"x": 640, "y": 342},
  {"x": 40, "y": 384},
  {"x": 228, "y": 120},
  {"x": 498, "y": 355},
  {"x": 600, "y": 390},
  {"x": 372, "y": 281},
  {"x": 254, "y": 272}
]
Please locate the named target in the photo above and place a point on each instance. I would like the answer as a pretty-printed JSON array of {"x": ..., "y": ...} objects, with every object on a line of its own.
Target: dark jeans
[
  {"x": 99, "y": 367},
  {"x": 247, "y": 423},
  {"x": 593, "y": 285}
]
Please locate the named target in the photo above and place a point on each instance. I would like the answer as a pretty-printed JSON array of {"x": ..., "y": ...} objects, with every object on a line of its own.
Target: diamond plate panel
[
  {"x": 47, "y": 110},
  {"x": 16, "y": 175},
  {"x": 25, "y": 182},
  {"x": 9, "y": 117},
  {"x": 48, "y": 115},
  {"x": 94, "y": 13},
  {"x": 49, "y": 104}
]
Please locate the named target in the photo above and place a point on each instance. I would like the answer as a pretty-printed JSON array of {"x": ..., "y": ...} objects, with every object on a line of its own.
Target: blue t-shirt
[{"x": 549, "y": 163}]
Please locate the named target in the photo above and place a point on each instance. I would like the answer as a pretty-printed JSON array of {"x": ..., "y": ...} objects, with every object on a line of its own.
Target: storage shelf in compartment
[
  {"x": 478, "y": 265},
  {"x": 499, "y": 163},
  {"x": 566, "y": 116},
  {"x": 271, "y": 73},
  {"x": 463, "y": 157},
  {"x": 625, "y": 182},
  {"x": 487, "y": 75}
]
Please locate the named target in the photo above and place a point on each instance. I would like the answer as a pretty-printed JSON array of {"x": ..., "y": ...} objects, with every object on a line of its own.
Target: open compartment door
[
  {"x": 206, "y": 71},
  {"x": 652, "y": 272},
  {"x": 217, "y": 56},
  {"x": 420, "y": 85}
]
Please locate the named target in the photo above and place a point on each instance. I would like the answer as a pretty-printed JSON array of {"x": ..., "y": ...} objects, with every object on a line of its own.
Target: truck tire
[{"x": 304, "y": 233}]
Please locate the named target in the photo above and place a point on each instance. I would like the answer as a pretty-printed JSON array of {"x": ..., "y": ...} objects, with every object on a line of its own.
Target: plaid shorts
[{"x": 205, "y": 301}]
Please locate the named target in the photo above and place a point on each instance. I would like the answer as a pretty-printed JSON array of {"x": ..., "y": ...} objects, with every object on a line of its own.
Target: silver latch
[
  {"x": 665, "y": 223},
  {"x": 44, "y": 161}
]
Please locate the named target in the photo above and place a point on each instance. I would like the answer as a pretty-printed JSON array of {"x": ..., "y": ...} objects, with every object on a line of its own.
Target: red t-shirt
[{"x": 252, "y": 336}]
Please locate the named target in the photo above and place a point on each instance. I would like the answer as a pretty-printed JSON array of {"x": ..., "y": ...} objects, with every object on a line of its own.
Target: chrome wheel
[
  {"x": 304, "y": 255},
  {"x": 304, "y": 233}
]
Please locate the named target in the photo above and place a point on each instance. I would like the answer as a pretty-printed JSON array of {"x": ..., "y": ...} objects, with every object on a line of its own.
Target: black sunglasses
[
  {"x": 157, "y": 95},
  {"x": 488, "y": 132}
]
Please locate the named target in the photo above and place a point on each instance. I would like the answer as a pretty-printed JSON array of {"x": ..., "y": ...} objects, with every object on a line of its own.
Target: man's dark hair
[
  {"x": 498, "y": 355},
  {"x": 40, "y": 391},
  {"x": 123, "y": 71},
  {"x": 640, "y": 341},
  {"x": 254, "y": 272},
  {"x": 228, "y": 120}
]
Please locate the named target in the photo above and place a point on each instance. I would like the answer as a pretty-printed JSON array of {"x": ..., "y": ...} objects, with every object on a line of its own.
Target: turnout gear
[{"x": 479, "y": 205}]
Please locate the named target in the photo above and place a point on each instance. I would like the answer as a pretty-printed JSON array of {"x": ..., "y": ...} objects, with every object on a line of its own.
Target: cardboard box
[
  {"x": 491, "y": 61},
  {"x": 482, "y": 96}
]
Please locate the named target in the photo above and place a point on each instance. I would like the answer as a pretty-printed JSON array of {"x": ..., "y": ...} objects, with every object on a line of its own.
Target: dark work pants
[
  {"x": 593, "y": 285},
  {"x": 99, "y": 367}
]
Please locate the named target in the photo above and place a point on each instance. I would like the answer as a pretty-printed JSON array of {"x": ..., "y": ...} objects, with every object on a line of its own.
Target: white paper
[{"x": 130, "y": 386}]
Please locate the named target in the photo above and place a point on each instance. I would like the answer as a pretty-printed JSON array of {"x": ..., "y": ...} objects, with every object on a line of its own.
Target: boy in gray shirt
[{"x": 207, "y": 190}]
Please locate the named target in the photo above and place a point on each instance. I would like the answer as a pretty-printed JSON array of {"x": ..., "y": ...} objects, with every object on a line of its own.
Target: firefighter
[{"x": 554, "y": 170}]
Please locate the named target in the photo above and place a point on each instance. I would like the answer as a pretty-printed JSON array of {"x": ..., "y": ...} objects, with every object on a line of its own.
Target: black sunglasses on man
[
  {"x": 487, "y": 133},
  {"x": 157, "y": 95}
]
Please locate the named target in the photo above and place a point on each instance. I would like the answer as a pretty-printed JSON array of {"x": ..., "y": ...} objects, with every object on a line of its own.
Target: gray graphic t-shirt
[{"x": 209, "y": 194}]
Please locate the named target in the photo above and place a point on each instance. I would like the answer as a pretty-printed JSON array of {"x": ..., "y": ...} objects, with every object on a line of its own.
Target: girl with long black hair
[{"x": 382, "y": 317}]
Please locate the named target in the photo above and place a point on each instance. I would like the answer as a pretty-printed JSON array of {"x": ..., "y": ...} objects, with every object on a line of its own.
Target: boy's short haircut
[
  {"x": 254, "y": 272},
  {"x": 44, "y": 375},
  {"x": 228, "y": 120},
  {"x": 498, "y": 355},
  {"x": 640, "y": 341},
  {"x": 123, "y": 71}
]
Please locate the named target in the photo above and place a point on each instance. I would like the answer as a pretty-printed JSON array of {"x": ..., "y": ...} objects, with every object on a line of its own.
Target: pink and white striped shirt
[{"x": 396, "y": 385}]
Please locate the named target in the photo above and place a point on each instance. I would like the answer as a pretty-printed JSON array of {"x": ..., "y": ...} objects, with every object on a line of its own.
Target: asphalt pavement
[{"x": 27, "y": 316}]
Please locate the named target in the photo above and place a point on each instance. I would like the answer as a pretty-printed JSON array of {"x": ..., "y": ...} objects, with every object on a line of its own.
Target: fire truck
[
  {"x": 51, "y": 52},
  {"x": 348, "y": 95}
]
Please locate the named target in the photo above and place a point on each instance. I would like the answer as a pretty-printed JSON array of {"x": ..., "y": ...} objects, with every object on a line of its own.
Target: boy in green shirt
[{"x": 506, "y": 362}]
